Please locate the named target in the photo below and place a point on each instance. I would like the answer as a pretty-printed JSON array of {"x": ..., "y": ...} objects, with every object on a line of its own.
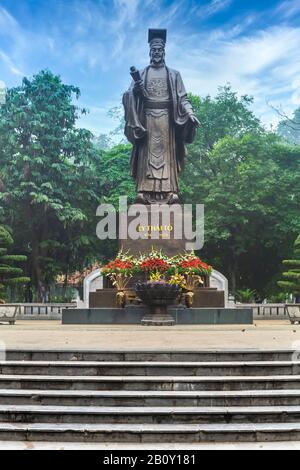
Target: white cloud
[
  {"x": 23, "y": 45},
  {"x": 126, "y": 12},
  {"x": 212, "y": 8},
  {"x": 265, "y": 65},
  {"x": 288, "y": 8},
  {"x": 8, "y": 24},
  {"x": 296, "y": 95},
  {"x": 10, "y": 64}
]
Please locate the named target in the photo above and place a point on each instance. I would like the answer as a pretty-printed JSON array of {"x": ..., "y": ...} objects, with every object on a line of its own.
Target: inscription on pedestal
[{"x": 162, "y": 229}]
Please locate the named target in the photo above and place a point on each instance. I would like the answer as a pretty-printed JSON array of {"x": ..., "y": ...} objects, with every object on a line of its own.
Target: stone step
[
  {"x": 149, "y": 415},
  {"x": 166, "y": 446},
  {"x": 150, "y": 368},
  {"x": 150, "y": 355},
  {"x": 148, "y": 383},
  {"x": 146, "y": 433},
  {"x": 150, "y": 398}
]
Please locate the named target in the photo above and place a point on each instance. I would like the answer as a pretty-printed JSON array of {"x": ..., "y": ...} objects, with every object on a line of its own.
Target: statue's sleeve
[
  {"x": 134, "y": 130},
  {"x": 185, "y": 108},
  {"x": 184, "y": 111}
]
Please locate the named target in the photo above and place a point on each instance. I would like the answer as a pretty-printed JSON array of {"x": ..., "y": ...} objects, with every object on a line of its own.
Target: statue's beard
[{"x": 157, "y": 62}]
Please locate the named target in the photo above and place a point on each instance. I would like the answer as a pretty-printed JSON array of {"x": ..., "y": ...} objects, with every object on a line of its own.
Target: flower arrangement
[
  {"x": 154, "y": 263},
  {"x": 185, "y": 270},
  {"x": 189, "y": 263},
  {"x": 157, "y": 266},
  {"x": 120, "y": 270}
]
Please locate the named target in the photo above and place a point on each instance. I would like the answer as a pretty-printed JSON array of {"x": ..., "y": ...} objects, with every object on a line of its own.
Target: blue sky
[{"x": 254, "y": 45}]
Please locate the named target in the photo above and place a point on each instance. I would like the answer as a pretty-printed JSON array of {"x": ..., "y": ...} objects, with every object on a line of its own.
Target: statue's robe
[{"x": 158, "y": 126}]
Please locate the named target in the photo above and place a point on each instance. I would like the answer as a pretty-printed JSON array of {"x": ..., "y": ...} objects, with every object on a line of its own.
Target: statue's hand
[
  {"x": 194, "y": 120},
  {"x": 139, "y": 87}
]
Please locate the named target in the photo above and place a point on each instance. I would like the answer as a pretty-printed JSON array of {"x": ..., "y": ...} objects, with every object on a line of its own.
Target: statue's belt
[{"x": 158, "y": 104}]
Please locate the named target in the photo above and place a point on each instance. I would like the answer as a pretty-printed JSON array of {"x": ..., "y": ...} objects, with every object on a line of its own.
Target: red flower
[
  {"x": 154, "y": 264},
  {"x": 194, "y": 263},
  {"x": 118, "y": 265}
]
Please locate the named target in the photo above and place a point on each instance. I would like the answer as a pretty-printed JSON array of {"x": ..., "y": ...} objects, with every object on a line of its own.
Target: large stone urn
[{"x": 157, "y": 296}]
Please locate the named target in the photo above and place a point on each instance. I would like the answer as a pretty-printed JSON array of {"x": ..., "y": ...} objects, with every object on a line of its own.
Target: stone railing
[
  {"x": 267, "y": 311},
  {"x": 40, "y": 311},
  {"x": 53, "y": 311}
]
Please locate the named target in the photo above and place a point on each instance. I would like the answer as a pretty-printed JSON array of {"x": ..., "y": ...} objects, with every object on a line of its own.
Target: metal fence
[{"x": 40, "y": 311}]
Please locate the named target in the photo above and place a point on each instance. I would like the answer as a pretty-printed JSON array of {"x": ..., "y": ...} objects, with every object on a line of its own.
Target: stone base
[
  {"x": 132, "y": 315},
  {"x": 204, "y": 297},
  {"x": 158, "y": 320}
]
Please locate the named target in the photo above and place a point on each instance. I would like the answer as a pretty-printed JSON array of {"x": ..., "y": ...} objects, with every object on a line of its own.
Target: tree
[
  {"x": 10, "y": 274},
  {"x": 250, "y": 188},
  {"x": 291, "y": 278},
  {"x": 289, "y": 129},
  {"x": 114, "y": 178},
  {"x": 225, "y": 115},
  {"x": 103, "y": 142},
  {"x": 49, "y": 188}
]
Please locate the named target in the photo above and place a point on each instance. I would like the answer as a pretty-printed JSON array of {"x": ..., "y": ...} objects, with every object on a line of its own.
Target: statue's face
[{"x": 157, "y": 54}]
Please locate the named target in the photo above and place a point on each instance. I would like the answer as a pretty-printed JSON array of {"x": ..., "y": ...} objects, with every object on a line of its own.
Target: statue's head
[{"x": 157, "y": 42}]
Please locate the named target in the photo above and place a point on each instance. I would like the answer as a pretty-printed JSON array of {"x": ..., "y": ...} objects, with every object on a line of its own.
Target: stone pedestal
[
  {"x": 204, "y": 297},
  {"x": 161, "y": 227}
]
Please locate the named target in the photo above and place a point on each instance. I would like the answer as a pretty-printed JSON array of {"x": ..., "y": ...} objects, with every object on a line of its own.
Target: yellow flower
[
  {"x": 155, "y": 276},
  {"x": 178, "y": 279}
]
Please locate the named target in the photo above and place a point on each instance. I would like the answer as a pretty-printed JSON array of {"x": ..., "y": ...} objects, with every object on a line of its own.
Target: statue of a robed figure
[{"x": 159, "y": 121}]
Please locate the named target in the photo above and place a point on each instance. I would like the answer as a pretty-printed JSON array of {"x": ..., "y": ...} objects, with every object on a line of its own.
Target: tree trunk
[
  {"x": 36, "y": 271},
  {"x": 232, "y": 277}
]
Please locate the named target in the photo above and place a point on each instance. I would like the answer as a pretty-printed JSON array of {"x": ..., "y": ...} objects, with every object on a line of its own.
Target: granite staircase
[{"x": 145, "y": 396}]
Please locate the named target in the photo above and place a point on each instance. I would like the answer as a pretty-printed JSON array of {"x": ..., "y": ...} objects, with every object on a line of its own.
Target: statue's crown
[{"x": 157, "y": 36}]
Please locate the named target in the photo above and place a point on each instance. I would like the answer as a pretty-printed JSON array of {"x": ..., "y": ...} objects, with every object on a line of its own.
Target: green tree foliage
[
  {"x": 48, "y": 186},
  {"x": 249, "y": 183},
  {"x": 10, "y": 274},
  {"x": 246, "y": 296},
  {"x": 114, "y": 178},
  {"x": 291, "y": 278},
  {"x": 223, "y": 116},
  {"x": 289, "y": 129},
  {"x": 53, "y": 175},
  {"x": 250, "y": 210}
]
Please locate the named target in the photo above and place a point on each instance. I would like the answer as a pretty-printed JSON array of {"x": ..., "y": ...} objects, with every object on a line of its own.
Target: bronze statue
[{"x": 159, "y": 121}]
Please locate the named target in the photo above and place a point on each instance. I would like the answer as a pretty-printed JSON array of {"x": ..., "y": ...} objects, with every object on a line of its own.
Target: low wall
[{"x": 133, "y": 315}]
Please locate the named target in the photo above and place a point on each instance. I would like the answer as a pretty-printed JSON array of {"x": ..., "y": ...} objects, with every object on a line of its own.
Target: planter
[
  {"x": 125, "y": 297},
  {"x": 157, "y": 296},
  {"x": 189, "y": 299}
]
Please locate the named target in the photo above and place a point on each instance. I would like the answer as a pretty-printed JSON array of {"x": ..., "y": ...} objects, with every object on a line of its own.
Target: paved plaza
[{"x": 263, "y": 334}]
